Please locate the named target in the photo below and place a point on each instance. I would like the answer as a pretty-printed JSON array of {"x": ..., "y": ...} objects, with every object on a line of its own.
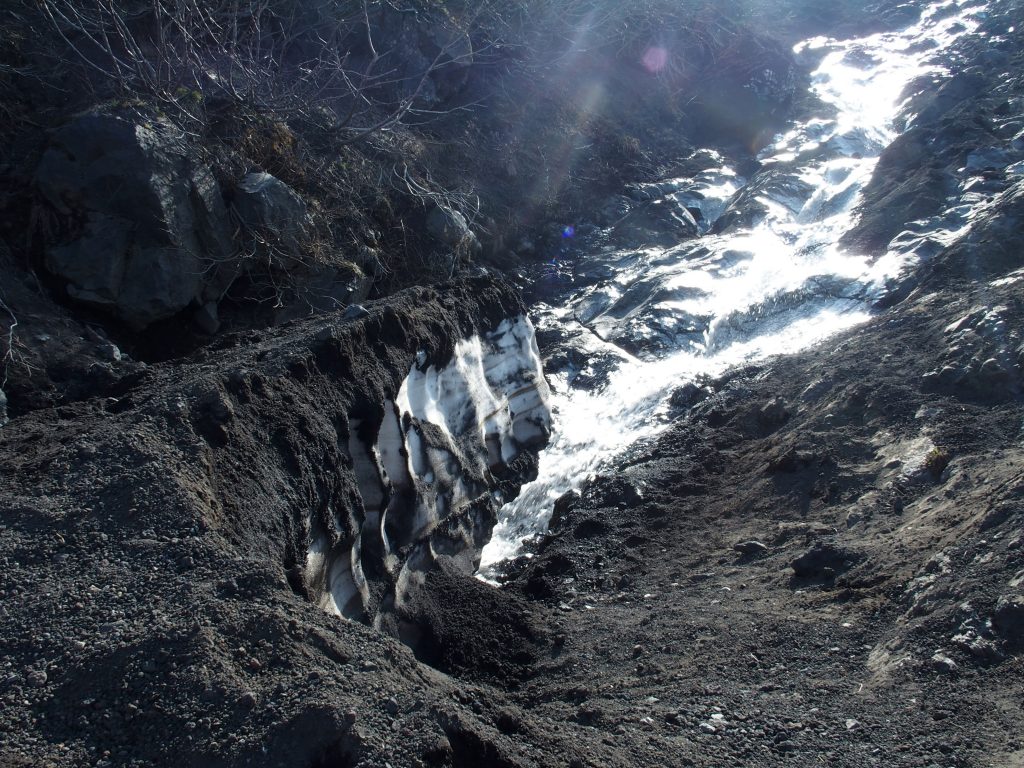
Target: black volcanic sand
[{"x": 873, "y": 616}]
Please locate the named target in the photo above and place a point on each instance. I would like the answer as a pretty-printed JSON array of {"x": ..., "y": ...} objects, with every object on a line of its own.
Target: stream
[{"x": 764, "y": 277}]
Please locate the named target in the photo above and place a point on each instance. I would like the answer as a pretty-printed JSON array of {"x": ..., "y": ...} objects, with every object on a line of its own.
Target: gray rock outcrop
[{"x": 156, "y": 236}]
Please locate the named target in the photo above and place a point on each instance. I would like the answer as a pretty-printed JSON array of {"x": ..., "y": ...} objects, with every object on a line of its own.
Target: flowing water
[{"x": 772, "y": 281}]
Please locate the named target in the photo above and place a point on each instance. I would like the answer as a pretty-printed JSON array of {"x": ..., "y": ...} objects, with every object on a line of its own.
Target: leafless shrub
[{"x": 315, "y": 60}]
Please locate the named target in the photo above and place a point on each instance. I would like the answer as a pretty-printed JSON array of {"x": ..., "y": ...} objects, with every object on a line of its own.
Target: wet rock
[
  {"x": 824, "y": 560},
  {"x": 933, "y": 103},
  {"x": 989, "y": 158},
  {"x": 657, "y": 222},
  {"x": 563, "y": 507},
  {"x": 3, "y": 408},
  {"x": 155, "y": 234},
  {"x": 688, "y": 395},
  {"x": 617, "y": 207},
  {"x": 747, "y": 207}
]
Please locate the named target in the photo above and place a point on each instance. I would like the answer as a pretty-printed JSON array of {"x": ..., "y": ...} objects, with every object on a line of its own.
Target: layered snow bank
[{"x": 425, "y": 471}]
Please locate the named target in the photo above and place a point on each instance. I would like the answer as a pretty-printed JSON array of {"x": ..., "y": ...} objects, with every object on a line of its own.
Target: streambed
[{"x": 623, "y": 328}]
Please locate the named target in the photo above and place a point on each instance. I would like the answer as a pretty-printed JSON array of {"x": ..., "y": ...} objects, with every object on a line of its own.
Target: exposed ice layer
[
  {"x": 493, "y": 390},
  {"x": 335, "y": 578},
  {"x": 429, "y": 462}
]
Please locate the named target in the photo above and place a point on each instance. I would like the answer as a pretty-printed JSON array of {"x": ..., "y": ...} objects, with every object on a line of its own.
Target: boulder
[
  {"x": 274, "y": 217},
  {"x": 277, "y": 228},
  {"x": 156, "y": 235},
  {"x": 688, "y": 395},
  {"x": 751, "y": 548},
  {"x": 824, "y": 561},
  {"x": 564, "y": 505},
  {"x": 448, "y": 226}
]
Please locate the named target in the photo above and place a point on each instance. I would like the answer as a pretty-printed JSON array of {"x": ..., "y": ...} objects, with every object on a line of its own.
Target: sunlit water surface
[{"x": 722, "y": 301}]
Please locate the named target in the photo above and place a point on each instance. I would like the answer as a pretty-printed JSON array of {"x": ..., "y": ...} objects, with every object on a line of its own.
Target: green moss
[{"x": 937, "y": 460}]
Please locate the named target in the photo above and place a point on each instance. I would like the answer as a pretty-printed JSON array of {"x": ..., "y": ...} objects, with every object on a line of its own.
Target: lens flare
[{"x": 655, "y": 59}]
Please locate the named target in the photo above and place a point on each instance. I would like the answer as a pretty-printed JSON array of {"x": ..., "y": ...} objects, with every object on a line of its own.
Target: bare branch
[{"x": 8, "y": 357}]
